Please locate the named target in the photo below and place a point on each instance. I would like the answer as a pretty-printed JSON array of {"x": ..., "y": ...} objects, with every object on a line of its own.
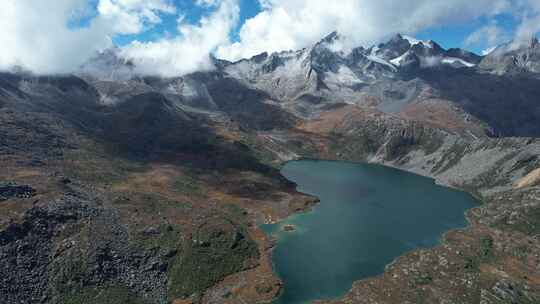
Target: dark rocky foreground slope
[
  {"x": 78, "y": 250},
  {"x": 118, "y": 188},
  {"x": 139, "y": 202}
]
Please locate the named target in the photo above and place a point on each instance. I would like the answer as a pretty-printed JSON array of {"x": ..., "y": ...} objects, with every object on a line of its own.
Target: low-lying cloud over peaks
[
  {"x": 35, "y": 35},
  {"x": 40, "y": 36},
  {"x": 190, "y": 50},
  {"x": 530, "y": 20},
  {"x": 59, "y": 36}
]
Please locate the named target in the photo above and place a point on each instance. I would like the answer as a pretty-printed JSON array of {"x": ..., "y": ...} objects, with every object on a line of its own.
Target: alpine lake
[{"x": 368, "y": 215}]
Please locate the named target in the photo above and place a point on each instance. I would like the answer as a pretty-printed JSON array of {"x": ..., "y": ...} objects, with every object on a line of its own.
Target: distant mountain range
[
  {"x": 402, "y": 76},
  {"x": 400, "y": 54}
]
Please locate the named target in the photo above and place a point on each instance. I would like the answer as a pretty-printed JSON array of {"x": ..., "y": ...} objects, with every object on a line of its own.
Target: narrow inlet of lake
[{"x": 368, "y": 216}]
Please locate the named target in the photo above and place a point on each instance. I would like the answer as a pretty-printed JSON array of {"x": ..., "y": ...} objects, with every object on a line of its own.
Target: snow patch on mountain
[
  {"x": 488, "y": 51},
  {"x": 398, "y": 60},
  {"x": 381, "y": 61},
  {"x": 452, "y": 60},
  {"x": 414, "y": 41}
]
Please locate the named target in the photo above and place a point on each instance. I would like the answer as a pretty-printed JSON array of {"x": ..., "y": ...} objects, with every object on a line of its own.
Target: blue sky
[
  {"x": 193, "y": 13},
  {"x": 452, "y": 36}
]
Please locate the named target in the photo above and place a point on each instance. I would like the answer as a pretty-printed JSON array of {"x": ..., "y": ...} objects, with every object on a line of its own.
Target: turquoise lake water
[{"x": 368, "y": 216}]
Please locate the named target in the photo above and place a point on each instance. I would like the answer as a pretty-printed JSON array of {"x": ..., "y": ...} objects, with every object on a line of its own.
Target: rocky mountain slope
[
  {"x": 514, "y": 58},
  {"x": 121, "y": 188}
]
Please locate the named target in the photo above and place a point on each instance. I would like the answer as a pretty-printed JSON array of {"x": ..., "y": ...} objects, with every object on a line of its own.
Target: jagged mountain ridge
[
  {"x": 295, "y": 74},
  {"x": 514, "y": 58},
  {"x": 404, "y": 77}
]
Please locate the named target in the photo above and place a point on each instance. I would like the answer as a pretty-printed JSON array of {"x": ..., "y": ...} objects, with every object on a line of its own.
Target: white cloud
[
  {"x": 41, "y": 41},
  {"x": 36, "y": 34},
  {"x": 286, "y": 24},
  {"x": 190, "y": 51},
  {"x": 131, "y": 16}
]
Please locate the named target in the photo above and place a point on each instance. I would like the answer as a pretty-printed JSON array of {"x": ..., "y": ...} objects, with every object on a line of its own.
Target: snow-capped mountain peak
[{"x": 414, "y": 41}]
